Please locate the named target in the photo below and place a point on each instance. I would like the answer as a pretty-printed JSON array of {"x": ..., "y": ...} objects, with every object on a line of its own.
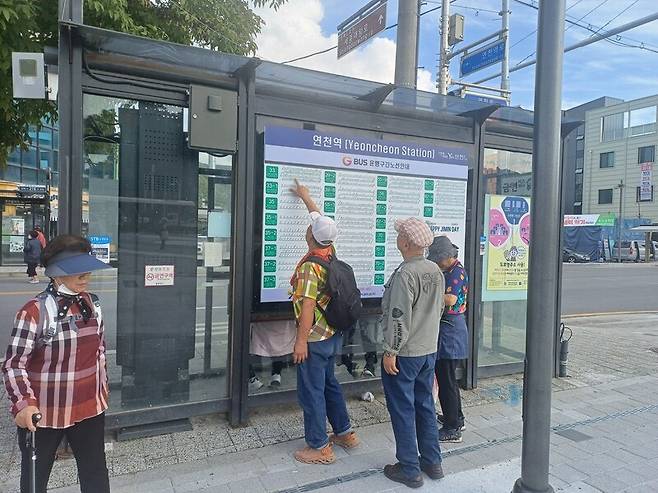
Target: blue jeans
[
  {"x": 413, "y": 416},
  {"x": 319, "y": 393}
]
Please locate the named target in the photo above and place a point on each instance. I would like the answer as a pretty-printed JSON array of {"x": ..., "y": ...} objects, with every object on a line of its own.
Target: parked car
[
  {"x": 573, "y": 257},
  {"x": 633, "y": 251}
]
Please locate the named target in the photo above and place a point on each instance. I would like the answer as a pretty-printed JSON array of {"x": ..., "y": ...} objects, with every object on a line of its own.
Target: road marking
[{"x": 611, "y": 314}]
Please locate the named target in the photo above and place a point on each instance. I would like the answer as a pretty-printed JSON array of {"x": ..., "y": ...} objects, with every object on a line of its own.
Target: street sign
[
  {"x": 485, "y": 98},
  {"x": 483, "y": 57},
  {"x": 365, "y": 26}
]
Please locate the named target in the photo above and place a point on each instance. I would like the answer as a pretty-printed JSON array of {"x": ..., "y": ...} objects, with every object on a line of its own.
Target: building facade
[
  {"x": 573, "y": 154},
  {"x": 619, "y": 156}
]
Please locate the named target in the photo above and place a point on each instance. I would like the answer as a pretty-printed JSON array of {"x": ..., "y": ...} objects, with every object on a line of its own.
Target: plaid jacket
[
  {"x": 311, "y": 282},
  {"x": 65, "y": 378}
]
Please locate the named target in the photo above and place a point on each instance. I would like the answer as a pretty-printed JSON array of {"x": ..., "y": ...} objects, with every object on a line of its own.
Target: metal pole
[
  {"x": 620, "y": 221},
  {"x": 504, "y": 80},
  {"x": 585, "y": 42},
  {"x": 407, "y": 41},
  {"x": 543, "y": 285},
  {"x": 444, "y": 60}
]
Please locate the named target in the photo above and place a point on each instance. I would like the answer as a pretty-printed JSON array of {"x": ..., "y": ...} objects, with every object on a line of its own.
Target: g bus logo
[{"x": 347, "y": 161}]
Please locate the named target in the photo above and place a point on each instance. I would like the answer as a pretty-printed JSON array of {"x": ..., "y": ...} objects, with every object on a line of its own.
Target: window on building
[
  {"x": 11, "y": 173},
  {"x": 578, "y": 209},
  {"x": 646, "y": 154},
  {"x": 580, "y": 146},
  {"x": 612, "y": 126},
  {"x": 580, "y": 131},
  {"x": 29, "y": 176},
  {"x": 605, "y": 196},
  {"x": 607, "y": 160},
  {"x": 639, "y": 198},
  {"x": 579, "y": 163},
  {"x": 44, "y": 159},
  {"x": 642, "y": 121},
  {"x": 15, "y": 156},
  {"x": 30, "y": 157}
]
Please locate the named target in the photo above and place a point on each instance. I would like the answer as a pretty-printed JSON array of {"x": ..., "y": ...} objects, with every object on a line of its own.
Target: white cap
[{"x": 323, "y": 228}]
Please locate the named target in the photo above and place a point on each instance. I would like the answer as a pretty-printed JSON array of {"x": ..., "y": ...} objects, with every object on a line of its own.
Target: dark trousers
[
  {"x": 449, "y": 396},
  {"x": 32, "y": 270},
  {"x": 88, "y": 445},
  {"x": 319, "y": 393},
  {"x": 411, "y": 406}
]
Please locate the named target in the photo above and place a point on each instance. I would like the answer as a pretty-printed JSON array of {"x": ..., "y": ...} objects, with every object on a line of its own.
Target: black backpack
[{"x": 345, "y": 307}]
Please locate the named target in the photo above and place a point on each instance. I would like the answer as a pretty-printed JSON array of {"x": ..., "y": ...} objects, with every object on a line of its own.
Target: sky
[{"x": 601, "y": 69}]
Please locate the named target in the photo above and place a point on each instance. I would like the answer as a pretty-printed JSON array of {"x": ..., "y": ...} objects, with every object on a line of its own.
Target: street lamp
[{"x": 619, "y": 222}]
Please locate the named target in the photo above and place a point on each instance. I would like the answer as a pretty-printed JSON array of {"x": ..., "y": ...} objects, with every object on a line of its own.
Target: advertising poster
[
  {"x": 365, "y": 185},
  {"x": 507, "y": 250},
  {"x": 100, "y": 247},
  {"x": 16, "y": 244}
]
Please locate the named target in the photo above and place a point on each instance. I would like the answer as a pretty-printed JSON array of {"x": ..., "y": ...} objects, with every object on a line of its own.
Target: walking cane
[{"x": 32, "y": 448}]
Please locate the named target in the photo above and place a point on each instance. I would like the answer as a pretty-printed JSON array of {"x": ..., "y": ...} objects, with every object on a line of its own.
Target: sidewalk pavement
[{"x": 605, "y": 435}]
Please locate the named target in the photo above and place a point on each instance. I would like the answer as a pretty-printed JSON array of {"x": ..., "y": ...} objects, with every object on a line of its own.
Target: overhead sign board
[
  {"x": 364, "y": 26},
  {"x": 582, "y": 220},
  {"x": 485, "y": 98},
  {"x": 483, "y": 57}
]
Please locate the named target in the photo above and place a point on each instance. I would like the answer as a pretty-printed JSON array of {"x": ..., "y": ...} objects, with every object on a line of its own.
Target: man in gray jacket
[{"x": 412, "y": 307}]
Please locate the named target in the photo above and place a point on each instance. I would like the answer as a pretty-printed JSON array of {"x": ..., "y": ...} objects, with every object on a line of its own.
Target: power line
[
  {"x": 615, "y": 17},
  {"x": 533, "y": 32},
  {"x": 304, "y": 57}
]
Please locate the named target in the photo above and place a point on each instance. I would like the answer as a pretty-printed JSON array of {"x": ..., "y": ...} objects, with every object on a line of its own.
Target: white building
[{"x": 619, "y": 139}]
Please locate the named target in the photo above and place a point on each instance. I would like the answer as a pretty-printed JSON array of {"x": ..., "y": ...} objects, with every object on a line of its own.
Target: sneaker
[
  {"x": 433, "y": 471},
  {"x": 394, "y": 473},
  {"x": 368, "y": 372},
  {"x": 255, "y": 384},
  {"x": 348, "y": 441},
  {"x": 276, "y": 380},
  {"x": 309, "y": 455},
  {"x": 450, "y": 436},
  {"x": 439, "y": 418},
  {"x": 353, "y": 370}
]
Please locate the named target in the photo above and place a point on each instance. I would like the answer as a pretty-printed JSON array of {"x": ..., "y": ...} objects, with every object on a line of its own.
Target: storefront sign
[
  {"x": 508, "y": 250},
  {"x": 646, "y": 179},
  {"x": 365, "y": 185},
  {"x": 582, "y": 220},
  {"x": 158, "y": 275},
  {"x": 100, "y": 247},
  {"x": 32, "y": 191}
]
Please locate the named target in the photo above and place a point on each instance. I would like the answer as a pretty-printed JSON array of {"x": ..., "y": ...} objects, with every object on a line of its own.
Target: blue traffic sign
[
  {"x": 485, "y": 56},
  {"x": 482, "y": 98}
]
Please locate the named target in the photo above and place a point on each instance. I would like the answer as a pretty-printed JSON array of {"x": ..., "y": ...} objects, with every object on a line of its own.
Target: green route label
[
  {"x": 270, "y": 250},
  {"x": 271, "y": 187},
  {"x": 380, "y": 251},
  {"x": 270, "y": 234},
  {"x": 428, "y": 211},
  {"x": 330, "y": 206},
  {"x": 381, "y": 209},
  {"x": 271, "y": 203},
  {"x": 272, "y": 171},
  {"x": 429, "y": 198},
  {"x": 330, "y": 177},
  {"x": 269, "y": 266},
  {"x": 380, "y": 237},
  {"x": 270, "y": 219},
  {"x": 429, "y": 185},
  {"x": 380, "y": 265},
  {"x": 329, "y": 192},
  {"x": 382, "y": 181},
  {"x": 379, "y": 279},
  {"x": 380, "y": 223},
  {"x": 381, "y": 195},
  {"x": 269, "y": 281}
]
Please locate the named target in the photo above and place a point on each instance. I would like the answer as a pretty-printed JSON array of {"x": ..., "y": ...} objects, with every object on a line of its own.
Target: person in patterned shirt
[
  {"x": 317, "y": 344},
  {"x": 55, "y": 366},
  {"x": 453, "y": 338}
]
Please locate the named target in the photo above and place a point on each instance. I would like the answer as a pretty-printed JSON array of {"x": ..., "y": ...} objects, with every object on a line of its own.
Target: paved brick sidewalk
[{"x": 605, "y": 437}]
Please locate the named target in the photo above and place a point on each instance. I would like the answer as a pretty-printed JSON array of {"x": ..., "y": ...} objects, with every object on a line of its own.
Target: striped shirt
[
  {"x": 311, "y": 283},
  {"x": 66, "y": 377}
]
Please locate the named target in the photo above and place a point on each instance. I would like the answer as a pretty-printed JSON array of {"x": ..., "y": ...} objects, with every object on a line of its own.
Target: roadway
[{"x": 586, "y": 288}]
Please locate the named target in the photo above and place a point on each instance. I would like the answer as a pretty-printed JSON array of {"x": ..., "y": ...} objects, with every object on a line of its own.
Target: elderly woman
[
  {"x": 55, "y": 366},
  {"x": 453, "y": 338}
]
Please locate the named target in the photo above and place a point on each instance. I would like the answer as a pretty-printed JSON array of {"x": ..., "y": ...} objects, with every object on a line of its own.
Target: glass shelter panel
[
  {"x": 148, "y": 202},
  {"x": 508, "y": 190}
]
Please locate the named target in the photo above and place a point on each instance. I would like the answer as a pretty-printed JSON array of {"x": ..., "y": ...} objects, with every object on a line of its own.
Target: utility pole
[
  {"x": 444, "y": 60},
  {"x": 406, "y": 52},
  {"x": 545, "y": 255},
  {"x": 504, "y": 80},
  {"x": 620, "y": 221}
]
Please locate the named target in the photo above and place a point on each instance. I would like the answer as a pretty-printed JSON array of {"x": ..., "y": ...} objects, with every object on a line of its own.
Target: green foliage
[{"x": 229, "y": 26}]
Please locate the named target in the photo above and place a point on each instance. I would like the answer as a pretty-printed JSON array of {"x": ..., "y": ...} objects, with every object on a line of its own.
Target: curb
[{"x": 610, "y": 314}]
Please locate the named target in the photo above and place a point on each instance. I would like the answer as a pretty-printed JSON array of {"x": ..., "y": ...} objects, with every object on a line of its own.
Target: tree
[{"x": 229, "y": 26}]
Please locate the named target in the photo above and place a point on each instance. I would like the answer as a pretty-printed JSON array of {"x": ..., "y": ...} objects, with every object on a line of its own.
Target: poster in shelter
[{"x": 365, "y": 185}]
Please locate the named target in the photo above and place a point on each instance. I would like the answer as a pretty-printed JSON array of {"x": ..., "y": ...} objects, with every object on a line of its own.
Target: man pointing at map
[{"x": 317, "y": 344}]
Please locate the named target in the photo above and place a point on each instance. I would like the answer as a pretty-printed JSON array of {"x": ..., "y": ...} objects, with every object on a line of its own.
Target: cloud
[{"x": 295, "y": 30}]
